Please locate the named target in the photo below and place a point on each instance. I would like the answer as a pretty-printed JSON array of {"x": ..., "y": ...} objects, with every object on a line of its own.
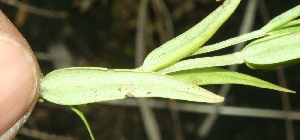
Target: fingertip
[{"x": 19, "y": 78}]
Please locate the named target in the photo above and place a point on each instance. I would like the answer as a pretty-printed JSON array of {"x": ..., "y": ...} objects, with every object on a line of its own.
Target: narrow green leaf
[
  {"x": 204, "y": 62},
  {"x": 295, "y": 22},
  {"x": 282, "y": 19},
  {"x": 229, "y": 42},
  {"x": 188, "y": 42},
  {"x": 279, "y": 22},
  {"x": 208, "y": 76},
  {"x": 271, "y": 52},
  {"x": 81, "y": 115},
  {"x": 285, "y": 30},
  {"x": 74, "y": 86}
]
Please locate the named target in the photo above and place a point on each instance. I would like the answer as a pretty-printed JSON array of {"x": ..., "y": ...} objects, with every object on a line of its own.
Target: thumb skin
[{"x": 19, "y": 79}]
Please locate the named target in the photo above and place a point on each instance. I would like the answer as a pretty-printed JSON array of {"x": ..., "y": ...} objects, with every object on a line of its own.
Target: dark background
[{"x": 103, "y": 35}]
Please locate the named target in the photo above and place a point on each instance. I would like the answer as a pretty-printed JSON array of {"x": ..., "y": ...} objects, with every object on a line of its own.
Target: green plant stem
[{"x": 81, "y": 115}]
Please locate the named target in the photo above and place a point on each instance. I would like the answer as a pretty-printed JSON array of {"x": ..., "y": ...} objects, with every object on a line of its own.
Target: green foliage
[
  {"x": 207, "y": 76},
  {"x": 188, "y": 42},
  {"x": 164, "y": 75},
  {"x": 272, "y": 51},
  {"x": 76, "y": 86}
]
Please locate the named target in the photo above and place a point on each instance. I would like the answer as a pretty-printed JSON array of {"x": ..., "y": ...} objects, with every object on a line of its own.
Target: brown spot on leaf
[{"x": 129, "y": 95}]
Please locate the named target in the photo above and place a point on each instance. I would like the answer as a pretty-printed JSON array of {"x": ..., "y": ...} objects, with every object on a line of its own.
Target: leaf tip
[
  {"x": 287, "y": 90},
  {"x": 291, "y": 91},
  {"x": 217, "y": 99}
]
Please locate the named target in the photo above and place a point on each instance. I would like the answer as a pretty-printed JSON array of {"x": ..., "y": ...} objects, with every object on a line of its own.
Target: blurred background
[{"x": 118, "y": 34}]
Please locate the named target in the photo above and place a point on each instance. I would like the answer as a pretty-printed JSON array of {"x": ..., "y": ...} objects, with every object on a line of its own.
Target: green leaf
[
  {"x": 188, "y": 42},
  {"x": 81, "y": 115},
  {"x": 208, "y": 76},
  {"x": 279, "y": 22},
  {"x": 273, "y": 51},
  {"x": 295, "y": 22},
  {"x": 285, "y": 30},
  {"x": 282, "y": 19},
  {"x": 75, "y": 86},
  {"x": 229, "y": 42},
  {"x": 204, "y": 62}
]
